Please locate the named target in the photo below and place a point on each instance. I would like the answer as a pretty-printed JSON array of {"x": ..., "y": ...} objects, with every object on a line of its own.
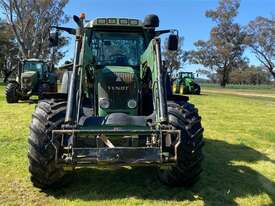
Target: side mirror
[
  {"x": 67, "y": 62},
  {"x": 151, "y": 21},
  {"x": 173, "y": 42},
  {"x": 66, "y": 29},
  {"x": 53, "y": 39}
]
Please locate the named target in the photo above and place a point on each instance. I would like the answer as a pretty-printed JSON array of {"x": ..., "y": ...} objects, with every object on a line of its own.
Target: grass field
[{"x": 239, "y": 166}]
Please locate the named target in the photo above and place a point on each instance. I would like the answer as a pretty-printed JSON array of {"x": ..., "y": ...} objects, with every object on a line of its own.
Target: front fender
[{"x": 13, "y": 81}]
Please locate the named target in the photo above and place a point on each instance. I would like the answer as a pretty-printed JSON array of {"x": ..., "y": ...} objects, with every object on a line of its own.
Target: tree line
[
  {"x": 24, "y": 32},
  {"x": 222, "y": 55},
  {"x": 246, "y": 74}
]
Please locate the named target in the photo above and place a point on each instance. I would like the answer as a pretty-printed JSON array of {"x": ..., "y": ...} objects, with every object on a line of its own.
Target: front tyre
[
  {"x": 12, "y": 92},
  {"x": 49, "y": 115},
  {"x": 187, "y": 168}
]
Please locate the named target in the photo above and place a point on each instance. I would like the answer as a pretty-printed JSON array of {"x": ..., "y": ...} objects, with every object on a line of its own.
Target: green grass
[{"x": 239, "y": 166}]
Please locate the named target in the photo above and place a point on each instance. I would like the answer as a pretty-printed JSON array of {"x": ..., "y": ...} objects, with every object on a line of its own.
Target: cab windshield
[
  {"x": 117, "y": 48},
  {"x": 33, "y": 66}
]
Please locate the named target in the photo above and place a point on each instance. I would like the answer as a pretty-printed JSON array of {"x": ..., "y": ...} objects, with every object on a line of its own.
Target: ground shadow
[
  {"x": 221, "y": 182},
  {"x": 201, "y": 94},
  {"x": 29, "y": 101}
]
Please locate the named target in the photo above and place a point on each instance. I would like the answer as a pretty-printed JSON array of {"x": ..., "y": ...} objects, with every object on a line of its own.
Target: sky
[{"x": 185, "y": 15}]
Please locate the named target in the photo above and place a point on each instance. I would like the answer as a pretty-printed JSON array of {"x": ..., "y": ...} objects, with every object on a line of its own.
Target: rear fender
[
  {"x": 178, "y": 98},
  {"x": 13, "y": 82},
  {"x": 52, "y": 95}
]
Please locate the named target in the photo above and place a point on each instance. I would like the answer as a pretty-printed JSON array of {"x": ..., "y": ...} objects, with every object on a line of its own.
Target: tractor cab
[
  {"x": 113, "y": 50},
  {"x": 182, "y": 75},
  {"x": 35, "y": 65}
]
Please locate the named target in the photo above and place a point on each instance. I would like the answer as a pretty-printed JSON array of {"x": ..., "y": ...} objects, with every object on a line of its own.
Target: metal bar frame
[{"x": 107, "y": 155}]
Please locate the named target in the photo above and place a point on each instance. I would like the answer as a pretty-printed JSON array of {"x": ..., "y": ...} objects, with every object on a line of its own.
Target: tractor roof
[{"x": 114, "y": 22}]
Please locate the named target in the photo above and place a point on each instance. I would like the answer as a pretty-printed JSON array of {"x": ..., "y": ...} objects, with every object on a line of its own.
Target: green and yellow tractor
[
  {"x": 184, "y": 83},
  {"x": 116, "y": 110},
  {"x": 34, "y": 77}
]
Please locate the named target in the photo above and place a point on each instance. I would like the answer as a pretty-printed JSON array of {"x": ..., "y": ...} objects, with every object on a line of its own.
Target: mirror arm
[
  {"x": 172, "y": 31},
  {"x": 66, "y": 29},
  {"x": 160, "y": 32}
]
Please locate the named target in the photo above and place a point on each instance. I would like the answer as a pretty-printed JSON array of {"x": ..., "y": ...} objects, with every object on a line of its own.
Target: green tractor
[
  {"x": 184, "y": 83},
  {"x": 34, "y": 77},
  {"x": 116, "y": 110}
]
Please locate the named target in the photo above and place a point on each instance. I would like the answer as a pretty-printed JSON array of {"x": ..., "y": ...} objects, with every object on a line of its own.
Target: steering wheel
[
  {"x": 119, "y": 58},
  {"x": 115, "y": 56}
]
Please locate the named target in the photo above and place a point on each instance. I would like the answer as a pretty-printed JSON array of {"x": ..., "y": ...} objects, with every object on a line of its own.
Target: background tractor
[
  {"x": 34, "y": 77},
  {"x": 184, "y": 83},
  {"x": 116, "y": 110}
]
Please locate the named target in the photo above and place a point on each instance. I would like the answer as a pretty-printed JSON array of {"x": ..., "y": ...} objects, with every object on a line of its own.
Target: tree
[
  {"x": 174, "y": 59},
  {"x": 5, "y": 40},
  {"x": 223, "y": 51},
  {"x": 30, "y": 21},
  {"x": 261, "y": 39},
  {"x": 8, "y": 49}
]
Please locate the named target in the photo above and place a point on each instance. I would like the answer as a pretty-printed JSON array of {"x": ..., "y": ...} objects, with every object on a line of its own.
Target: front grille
[{"x": 118, "y": 88}]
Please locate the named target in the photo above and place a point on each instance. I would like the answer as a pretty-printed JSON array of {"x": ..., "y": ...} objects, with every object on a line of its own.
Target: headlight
[
  {"x": 104, "y": 103},
  {"x": 132, "y": 103}
]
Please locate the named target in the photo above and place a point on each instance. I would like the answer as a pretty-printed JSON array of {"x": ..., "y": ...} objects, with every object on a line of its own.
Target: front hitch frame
[{"x": 85, "y": 156}]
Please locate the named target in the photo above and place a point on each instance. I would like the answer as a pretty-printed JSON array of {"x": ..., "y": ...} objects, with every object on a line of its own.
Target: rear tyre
[
  {"x": 49, "y": 115},
  {"x": 12, "y": 92},
  {"x": 181, "y": 92},
  {"x": 187, "y": 169},
  {"x": 174, "y": 88}
]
